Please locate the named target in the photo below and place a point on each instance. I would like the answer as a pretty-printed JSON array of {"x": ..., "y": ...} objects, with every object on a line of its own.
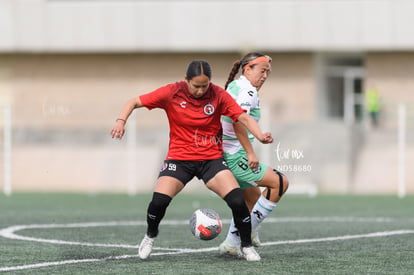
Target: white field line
[
  {"x": 342, "y": 238},
  {"x": 10, "y": 233},
  {"x": 182, "y": 251}
]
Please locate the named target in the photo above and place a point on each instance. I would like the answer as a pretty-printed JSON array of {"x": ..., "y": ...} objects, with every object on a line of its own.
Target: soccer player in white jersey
[{"x": 239, "y": 154}]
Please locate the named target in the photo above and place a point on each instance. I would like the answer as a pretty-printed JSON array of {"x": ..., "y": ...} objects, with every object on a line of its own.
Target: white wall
[{"x": 209, "y": 25}]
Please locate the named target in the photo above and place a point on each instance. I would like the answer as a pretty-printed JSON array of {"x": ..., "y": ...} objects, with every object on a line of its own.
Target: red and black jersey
[{"x": 195, "y": 127}]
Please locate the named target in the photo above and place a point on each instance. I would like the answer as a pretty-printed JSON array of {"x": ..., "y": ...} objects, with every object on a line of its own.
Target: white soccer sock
[
  {"x": 261, "y": 210},
  {"x": 233, "y": 236}
]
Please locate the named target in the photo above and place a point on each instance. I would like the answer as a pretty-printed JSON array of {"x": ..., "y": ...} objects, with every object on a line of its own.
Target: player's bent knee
[
  {"x": 235, "y": 198},
  {"x": 160, "y": 200},
  {"x": 285, "y": 183}
]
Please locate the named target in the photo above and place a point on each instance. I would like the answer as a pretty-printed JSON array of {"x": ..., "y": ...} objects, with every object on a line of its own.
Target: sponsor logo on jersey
[
  {"x": 245, "y": 104},
  {"x": 209, "y": 109},
  {"x": 183, "y": 104}
]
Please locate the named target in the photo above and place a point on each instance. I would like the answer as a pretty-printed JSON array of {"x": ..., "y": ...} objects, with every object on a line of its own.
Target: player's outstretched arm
[
  {"x": 254, "y": 128},
  {"x": 118, "y": 130}
]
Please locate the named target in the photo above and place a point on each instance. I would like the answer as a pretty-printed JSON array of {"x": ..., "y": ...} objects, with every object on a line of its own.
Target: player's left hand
[{"x": 253, "y": 161}]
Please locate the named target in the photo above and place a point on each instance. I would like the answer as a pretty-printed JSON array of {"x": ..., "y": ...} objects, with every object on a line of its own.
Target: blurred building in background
[{"x": 68, "y": 66}]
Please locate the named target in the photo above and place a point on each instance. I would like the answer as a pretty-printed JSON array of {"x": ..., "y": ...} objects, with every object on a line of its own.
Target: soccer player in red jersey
[{"x": 194, "y": 108}]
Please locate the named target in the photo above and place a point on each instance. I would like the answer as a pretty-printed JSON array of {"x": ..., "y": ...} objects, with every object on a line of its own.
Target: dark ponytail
[{"x": 233, "y": 73}]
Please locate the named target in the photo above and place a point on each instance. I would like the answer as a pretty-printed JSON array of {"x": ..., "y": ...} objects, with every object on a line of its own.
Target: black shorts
[{"x": 185, "y": 171}]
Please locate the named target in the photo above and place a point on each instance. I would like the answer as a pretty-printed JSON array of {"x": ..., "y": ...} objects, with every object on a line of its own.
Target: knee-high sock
[
  {"x": 260, "y": 211},
  {"x": 241, "y": 215},
  {"x": 156, "y": 211}
]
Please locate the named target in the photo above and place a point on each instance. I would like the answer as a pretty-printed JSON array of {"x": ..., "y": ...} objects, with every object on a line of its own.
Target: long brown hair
[{"x": 240, "y": 64}]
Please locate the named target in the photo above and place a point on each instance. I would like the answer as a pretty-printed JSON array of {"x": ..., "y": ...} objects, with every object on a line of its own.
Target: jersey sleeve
[
  {"x": 231, "y": 108},
  {"x": 157, "y": 99},
  {"x": 246, "y": 99}
]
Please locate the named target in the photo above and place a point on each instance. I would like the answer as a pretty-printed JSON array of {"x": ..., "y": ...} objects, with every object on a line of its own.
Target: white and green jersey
[{"x": 247, "y": 97}]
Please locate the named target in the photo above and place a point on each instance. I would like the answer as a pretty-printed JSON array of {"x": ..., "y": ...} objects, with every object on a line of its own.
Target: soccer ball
[{"x": 205, "y": 224}]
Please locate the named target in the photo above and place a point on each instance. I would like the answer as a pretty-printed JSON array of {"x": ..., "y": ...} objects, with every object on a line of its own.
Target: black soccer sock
[
  {"x": 241, "y": 215},
  {"x": 156, "y": 211}
]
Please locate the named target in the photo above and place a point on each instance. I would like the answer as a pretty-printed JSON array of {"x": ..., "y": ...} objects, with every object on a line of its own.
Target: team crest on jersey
[{"x": 209, "y": 109}]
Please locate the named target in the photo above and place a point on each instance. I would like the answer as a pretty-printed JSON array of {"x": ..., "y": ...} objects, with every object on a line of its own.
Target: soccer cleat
[
  {"x": 250, "y": 254},
  {"x": 255, "y": 239},
  {"x": 226, "y": 248},
  {"x": 145, "y": 247}
]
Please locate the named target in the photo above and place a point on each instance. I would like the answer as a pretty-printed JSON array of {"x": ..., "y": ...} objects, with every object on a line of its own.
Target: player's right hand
[
  {"x": 267, "y": 138},
  {"x": 118, "y": 130}
]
